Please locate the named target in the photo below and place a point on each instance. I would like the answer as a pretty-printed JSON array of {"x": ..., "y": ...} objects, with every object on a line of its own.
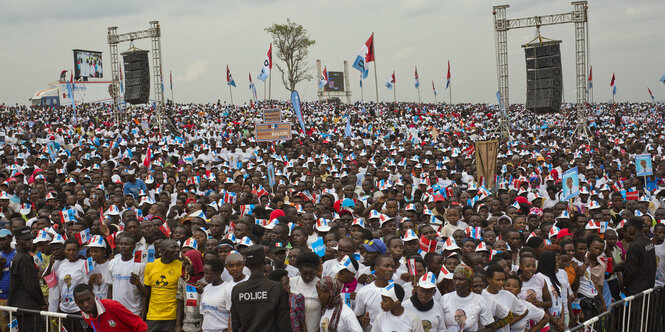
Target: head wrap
[
  {"x": 333, "y": 287},
  {"x": 464, "y": 270},
  {"x": 196, "y": 260}
]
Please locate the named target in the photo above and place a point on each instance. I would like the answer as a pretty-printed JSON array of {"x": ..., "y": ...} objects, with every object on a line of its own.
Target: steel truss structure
[
  {"x": 501, "y": 26},
  {"x": 154, "y": 33}
]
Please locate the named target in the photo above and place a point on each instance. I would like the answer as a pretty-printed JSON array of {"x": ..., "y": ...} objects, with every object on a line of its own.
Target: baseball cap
[
  {"x": 428, "y": 280},
  {"x": 347, "y": 263},
  {"x": 5, "y": 232},
  {"x": 277, "y": 246},
  {"x": 375, "y": 245},
  {"x": 562, "y": 233},
  {"x": 23, "y": 233},
  {"x": 255, "y": 254}
]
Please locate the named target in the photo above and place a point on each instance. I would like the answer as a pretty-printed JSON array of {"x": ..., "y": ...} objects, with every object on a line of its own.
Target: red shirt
[{"x": 113, "y": 316}]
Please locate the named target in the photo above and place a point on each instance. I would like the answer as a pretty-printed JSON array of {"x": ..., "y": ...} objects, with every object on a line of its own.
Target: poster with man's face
[
  {"x": 643, "y": 165},
  {"x": 571, "y": 186}
]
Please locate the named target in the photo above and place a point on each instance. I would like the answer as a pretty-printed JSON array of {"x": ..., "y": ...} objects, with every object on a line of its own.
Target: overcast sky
[{"x": 200, "y": 37}]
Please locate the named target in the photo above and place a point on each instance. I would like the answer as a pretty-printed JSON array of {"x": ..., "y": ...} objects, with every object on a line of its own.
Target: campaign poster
[
  {"x": 643, "y": 165},
  {"x": 571, "y": 184}
]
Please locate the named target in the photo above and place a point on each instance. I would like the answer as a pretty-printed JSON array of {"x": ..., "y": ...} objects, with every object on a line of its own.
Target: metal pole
[
  {"x": 450, "y": 93},
  {"x": 376, "y": 83},
  {"x": 230, "y": 93},
  {"x": 362, "y": 92},
  {"x": 264, "y": 90},
  {"x": 418, "y": 95},
  {"x": 270, "y": 85},
  {"x": 395, "y": 92}
]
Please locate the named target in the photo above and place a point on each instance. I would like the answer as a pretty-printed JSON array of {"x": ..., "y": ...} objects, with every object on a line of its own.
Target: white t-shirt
[
  {"x": 507, "y": 299},
  {"x": 587, "y": 287},
  {"x": 226, "y": 292},
  {"x": 465, "y": 313},
  {"x": 292, "y": 271},
  {"x": 123, "y": 291},
  {"x": 660, "y": 267},
  {"x": 101, "y": 291},
  {"x": 407, "y": 322},
  {"x": 347, "y": 321},
  {"x": 432, "y": 319},
  {"x": 534, "y": 316},
  {"x": 533, "y": 286},
  {"x": 69, "y": 275},
  {"x": 557, "y": 300},
  {"x": 368, "y": 299},
  {"x": 497, "y": 309},
  {"x": 312, "y": 304},
  {"x": 215, "y": 315}
]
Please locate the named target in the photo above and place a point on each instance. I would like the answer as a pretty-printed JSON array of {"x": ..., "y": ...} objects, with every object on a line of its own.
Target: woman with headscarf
[
  {"x": 336, "y": 316},
  {"x": 464, "y": 310},
  {"x": 190, "y": 282}
]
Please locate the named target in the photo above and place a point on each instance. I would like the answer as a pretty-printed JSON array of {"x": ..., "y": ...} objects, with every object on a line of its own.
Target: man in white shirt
[{"x": 126, "y": 275}]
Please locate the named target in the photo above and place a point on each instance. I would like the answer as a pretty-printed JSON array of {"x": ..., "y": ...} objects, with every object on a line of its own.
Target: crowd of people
[{"x": 373, "y": 217}]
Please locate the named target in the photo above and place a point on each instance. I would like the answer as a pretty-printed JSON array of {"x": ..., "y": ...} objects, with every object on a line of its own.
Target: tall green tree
[{"x": 292, "y": 42}]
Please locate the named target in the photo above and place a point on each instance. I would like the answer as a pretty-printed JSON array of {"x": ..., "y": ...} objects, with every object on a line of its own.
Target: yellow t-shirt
[{"x": 163, "y": 282}]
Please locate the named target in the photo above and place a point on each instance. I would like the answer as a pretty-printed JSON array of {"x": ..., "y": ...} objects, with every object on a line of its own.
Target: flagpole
[
  {"x": 450, "y": 93},
  {"x": 264, "y": 90},
  {"x": 394, "y": 92},
  {"x": 418, "y": 95},
  {"x": 230, "y": 93},
  {"x": 376, "y": 81},
  {"x": 362, "y": 89},
  {"x": 270, "y": 85},
  {"x": 376, "y": 84},
  {"x": 171, "y": 85}
]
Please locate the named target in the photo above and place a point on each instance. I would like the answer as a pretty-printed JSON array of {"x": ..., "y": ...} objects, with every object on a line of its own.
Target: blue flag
[
  {"x": 498, "y": 98},
  {"x": 295, "y": 100},
  {"x": 360, "y": 65},
  {"x": 347, "y": 130}
]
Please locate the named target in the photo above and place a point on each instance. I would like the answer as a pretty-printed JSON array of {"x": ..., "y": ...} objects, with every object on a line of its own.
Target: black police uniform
[
  {"x": 259, "y": 304},
  {"x": 25, "y": 291}
]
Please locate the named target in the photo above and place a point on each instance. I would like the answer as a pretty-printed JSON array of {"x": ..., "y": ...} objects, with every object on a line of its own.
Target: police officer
[
  {"x": 259, "y": 304},
  {"x": 24, "y": 289}
]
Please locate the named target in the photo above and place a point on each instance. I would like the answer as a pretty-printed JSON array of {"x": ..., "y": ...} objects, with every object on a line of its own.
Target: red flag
[
  {"x": 393, "y": 78},
  {"x": 590, "y": 73},
  {"x": 370, "y": 49},
  {"x": 164, "y": 228},
  {"x": 250, "y": 78},
  {"x": 417, "y": 74},
  {"x": 612, "y": 82},
  {"x": 270, "y": 55},
  {"x": 228, "y": 74},
  {"x": 148, "y": 156},
  {"x": 448, "y": 76},
  {"x": 171, "y": 79},
  {"x": 650, "y": 94}
]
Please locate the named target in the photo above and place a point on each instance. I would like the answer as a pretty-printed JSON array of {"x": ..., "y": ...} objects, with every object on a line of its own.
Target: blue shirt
[
  {"x": 4, "y": 281},
  {"x": 135, "y": 188}
]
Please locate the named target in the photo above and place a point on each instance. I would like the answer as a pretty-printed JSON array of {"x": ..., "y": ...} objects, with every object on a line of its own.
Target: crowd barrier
[
  {"x": 53, "y": 321},
  {"x": 643, "y": 312}
]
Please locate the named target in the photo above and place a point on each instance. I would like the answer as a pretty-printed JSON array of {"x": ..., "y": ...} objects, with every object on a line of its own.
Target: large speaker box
[
  {"x": 137, "y": 76},
  {"x": 543, "y": 76}
]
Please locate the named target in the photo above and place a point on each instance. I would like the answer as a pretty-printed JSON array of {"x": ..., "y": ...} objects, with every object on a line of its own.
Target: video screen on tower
[
  {"x": 88, "y": 64},
  {"x": 335, "y": 81}
]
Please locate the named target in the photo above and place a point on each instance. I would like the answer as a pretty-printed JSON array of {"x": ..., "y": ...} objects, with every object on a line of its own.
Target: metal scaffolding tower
[
  {"x": 154, "y": 33},
  {"x": 501, "y": 26}
]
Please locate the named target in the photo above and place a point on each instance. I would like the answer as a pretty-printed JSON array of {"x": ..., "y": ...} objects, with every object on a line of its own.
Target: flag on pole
[
  {"x": 366, "y": 56},
  {"x": 590, "y": 80},
  {"x": 122, "y": 87},
  {"x": 161, "y": 81},
  {"x": 267, "y": 65},
  {"x": 391, "y": 81},
  {"x": 448, "y": 76},
  {"x": 498, "y": 98},
  {"x": 229, "y": 78},
  {"x": 347, "y": 130},
  {"x": 252, "y": 86},
  {"x": 614, "y": 87},
  {"x": 171, "y": 80},
  {"x": 361, "y": 82},
  {"x": 651, "y": 94},
  {"x": 417, "y": 82},
  {"x": 295, "y": 101},
  {"x": 433, "y": 88},
  {"x": 662, "y": 79},
  {"x": 324, "y": 78}
]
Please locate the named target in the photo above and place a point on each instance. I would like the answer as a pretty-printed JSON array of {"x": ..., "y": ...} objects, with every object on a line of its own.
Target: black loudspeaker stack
[
  {"x": 543, "y": 77},
  {"x": 137, "y": 77}
]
